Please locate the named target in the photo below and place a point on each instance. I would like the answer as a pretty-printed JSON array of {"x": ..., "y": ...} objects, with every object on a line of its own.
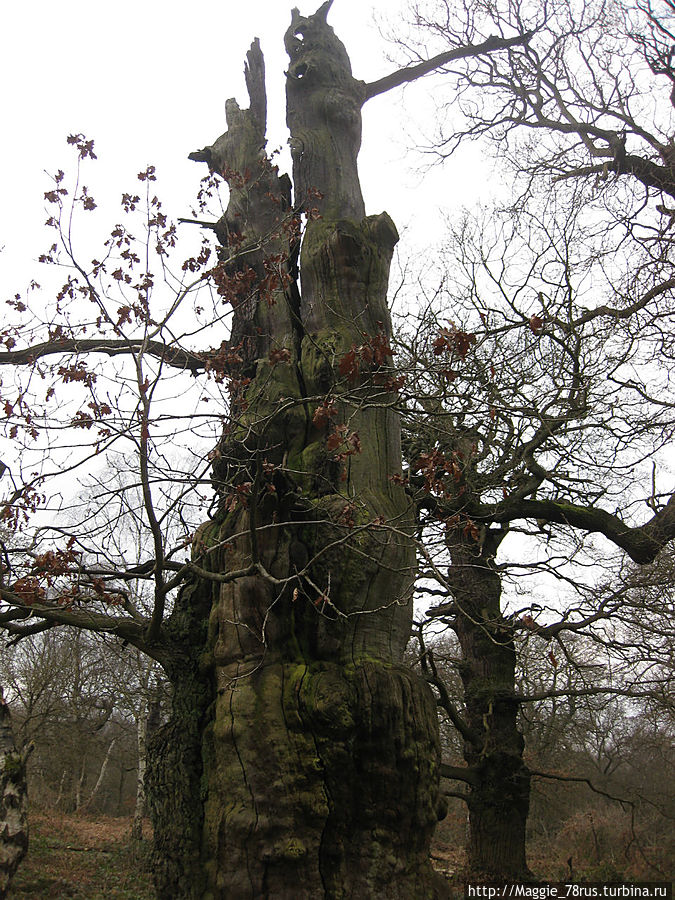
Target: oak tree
[
  {"x": 301, "y": 757},
  {"x": 540, "y": 405}
]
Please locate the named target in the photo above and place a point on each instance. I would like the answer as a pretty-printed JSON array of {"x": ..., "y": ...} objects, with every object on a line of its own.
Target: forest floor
[
  {"x": 82, "y": 858},
  {"x": 91, "y": 858}
]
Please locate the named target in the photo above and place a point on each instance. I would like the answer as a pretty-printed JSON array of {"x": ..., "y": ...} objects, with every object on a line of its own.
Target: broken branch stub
[{"x": 323, "y": 114}]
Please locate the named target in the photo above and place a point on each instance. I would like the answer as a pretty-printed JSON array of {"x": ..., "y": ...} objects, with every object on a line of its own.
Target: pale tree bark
[
  {"x": 101, "y": 775},
  {"x": 147, "y": 723},
  {"x": 59, "y": 796},
  {"x": 13, "y": 802},
  {"x": 142, "y": 750},
  {"x": 79, "y": 784}
]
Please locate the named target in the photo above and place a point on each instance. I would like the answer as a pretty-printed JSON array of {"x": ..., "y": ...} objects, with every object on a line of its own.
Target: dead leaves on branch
[
  {"x": 373, "y": 353},
  {"x": 56, "y": 578},
  {"x": 454, "y": 341}
]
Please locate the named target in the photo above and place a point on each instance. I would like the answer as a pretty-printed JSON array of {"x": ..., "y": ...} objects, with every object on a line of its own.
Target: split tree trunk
[
  {"x": 13, "y": 802},
  {"x": 302, "y": 757}
]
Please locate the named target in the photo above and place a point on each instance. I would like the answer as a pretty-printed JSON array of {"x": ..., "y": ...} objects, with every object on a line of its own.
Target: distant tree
[
  {"x": 77, "y": 702},
  {"x": 539, "y": 394},
  {"x": 529, "y": 439}
]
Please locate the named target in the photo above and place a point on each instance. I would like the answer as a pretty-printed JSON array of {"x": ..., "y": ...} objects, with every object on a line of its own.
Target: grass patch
[{"x": 83, "y": 859}]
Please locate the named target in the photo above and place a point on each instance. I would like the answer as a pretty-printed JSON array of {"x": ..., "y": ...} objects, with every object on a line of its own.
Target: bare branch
[
  {"x": 418, "y": 70},
  {"x": 169, "y": 354},
  {"x": 458, "y": 773},
  {"x": 642, "y": 543}
]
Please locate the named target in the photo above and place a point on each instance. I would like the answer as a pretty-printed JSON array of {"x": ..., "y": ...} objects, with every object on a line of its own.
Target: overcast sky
[{"x": 147, "y": 80}]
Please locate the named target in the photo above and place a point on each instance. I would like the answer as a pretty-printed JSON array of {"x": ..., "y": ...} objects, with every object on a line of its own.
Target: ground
[
  {"x": 81, "y": 859},
  {"x": 87, "y": 858}
]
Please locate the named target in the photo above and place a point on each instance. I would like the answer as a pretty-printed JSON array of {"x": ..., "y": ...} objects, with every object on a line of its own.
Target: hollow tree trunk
[
  {"x": 499, "y": 796},
  {"x": 308, "y": 753},
  {"x": 13, "y": 802}
]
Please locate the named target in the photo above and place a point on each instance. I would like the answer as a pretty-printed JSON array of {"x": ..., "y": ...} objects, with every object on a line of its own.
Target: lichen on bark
[
  {"x": 13, "y": 802},
  {"x": 318, "y": 769}
]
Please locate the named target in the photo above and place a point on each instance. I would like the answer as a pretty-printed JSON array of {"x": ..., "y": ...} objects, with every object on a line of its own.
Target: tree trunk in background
[
  {"x": 101, "y": 775},
  {"x": 79, "y": 784},
  {"x": 499, "y": 797},
  {"x": 142, "y": 749},
  {"x": 301, "y": 760},
  {"x": 13, "y": 802},
  {"x": 147, "y": 724}
]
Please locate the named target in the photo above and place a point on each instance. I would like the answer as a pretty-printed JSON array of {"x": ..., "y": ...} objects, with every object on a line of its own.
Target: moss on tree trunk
[{"x": 302, "y": 754}]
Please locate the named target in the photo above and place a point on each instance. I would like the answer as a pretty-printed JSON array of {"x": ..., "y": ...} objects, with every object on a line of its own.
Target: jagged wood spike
[
  {"x": 254, "y": 73},
  {"x": 324, "y": 9}
]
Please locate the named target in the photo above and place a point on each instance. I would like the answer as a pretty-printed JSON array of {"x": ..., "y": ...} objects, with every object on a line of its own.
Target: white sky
[{"x": 147, "y": 80}]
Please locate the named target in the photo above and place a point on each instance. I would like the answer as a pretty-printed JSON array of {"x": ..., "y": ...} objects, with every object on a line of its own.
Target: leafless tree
[{"x": 544, "y": 364}]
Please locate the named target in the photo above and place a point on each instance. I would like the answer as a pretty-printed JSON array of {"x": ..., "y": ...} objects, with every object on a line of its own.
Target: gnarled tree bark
[{"x": 306, "y": 755}]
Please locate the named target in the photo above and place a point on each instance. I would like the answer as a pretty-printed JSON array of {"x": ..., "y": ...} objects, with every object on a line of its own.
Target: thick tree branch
[
  {"x": 126, "y": 628},
  {"x": 170, "y": 355},
  {"x": 620, "y": 313},
  {"x": 642, "y": 543},
  {"x": 603, "y": 690},
  {"x": 413, "y": 72},
  {"x": 458, "y": 773},
  {"x": 649, "y": 173}
]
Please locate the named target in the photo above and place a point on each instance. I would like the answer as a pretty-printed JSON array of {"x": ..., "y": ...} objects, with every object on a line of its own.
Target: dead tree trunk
[
  {"x": 13, "y": 802},
  {"x": 302, "y": 757}
]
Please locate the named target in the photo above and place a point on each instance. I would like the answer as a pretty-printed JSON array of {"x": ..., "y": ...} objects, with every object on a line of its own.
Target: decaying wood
[{"x": 317, "y": 751}]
